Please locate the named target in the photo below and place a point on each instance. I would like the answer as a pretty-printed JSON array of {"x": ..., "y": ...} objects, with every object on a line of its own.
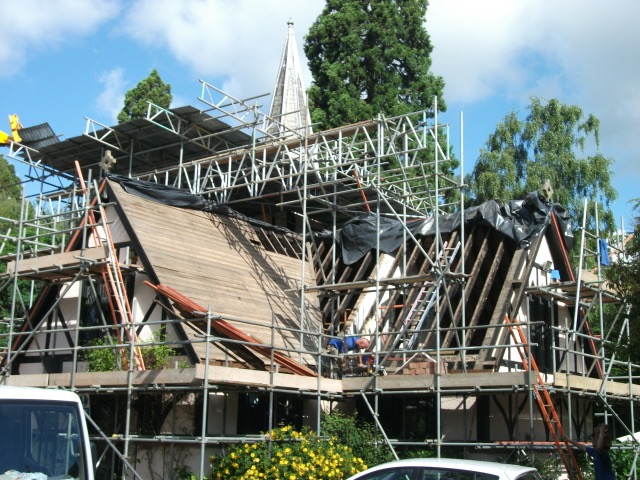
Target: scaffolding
[{"x": 438, "y": 358}]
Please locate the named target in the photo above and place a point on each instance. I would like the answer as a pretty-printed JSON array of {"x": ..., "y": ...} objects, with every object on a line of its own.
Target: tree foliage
[
  {"x": 10, "y": 200},
  {"x": 151, "y": 89},
  {"x": 370, "y": 57},
  {"x": 624, "y": 275},
  {"x": 555, "y": 142},
  {"x": 360, "y": 436},
  {"x": 10, "y": 194}
]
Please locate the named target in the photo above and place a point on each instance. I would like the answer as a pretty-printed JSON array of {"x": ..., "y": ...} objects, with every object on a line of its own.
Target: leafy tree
[
  {"x": 549, "y": 145},
  {"x": 10, "y": 194},
  {"x": 370, "y": 57},
  {"x": 10, "y": 198},
  {"x": 624, "y": 275},
  {"x": 151, "y": 89},
  {"x": 623, "y": 461},
  {"x": 374, "y": 57},
  {"x": 624, "y": 272}
]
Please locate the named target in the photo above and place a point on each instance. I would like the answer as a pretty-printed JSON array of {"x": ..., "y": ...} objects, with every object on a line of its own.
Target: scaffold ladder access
[{"x": 545, "y": 402}]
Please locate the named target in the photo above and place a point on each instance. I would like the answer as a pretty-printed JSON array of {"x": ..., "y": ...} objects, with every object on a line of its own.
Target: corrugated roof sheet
[{"x": 38, "y": 136}]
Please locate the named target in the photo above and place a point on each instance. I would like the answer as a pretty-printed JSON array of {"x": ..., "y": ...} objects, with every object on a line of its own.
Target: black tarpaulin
[
  {"x": 359, "y": 235},
  {"x": 175, "y": 197},
  {"x": 521, "y": 220},
  {"x": 171, "y": 196}
]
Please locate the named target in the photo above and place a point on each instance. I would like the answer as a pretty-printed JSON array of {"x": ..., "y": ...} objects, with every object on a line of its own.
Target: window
[
  {"x": 39, "y": 437},
  {"x": 529, "y": 476},
  {"x": 406, "y": 473},
  {"x": 454, "y": 474}
]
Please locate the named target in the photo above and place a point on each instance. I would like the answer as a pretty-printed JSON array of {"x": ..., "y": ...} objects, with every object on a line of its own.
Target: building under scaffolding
[{"x": 244, "y": 245}]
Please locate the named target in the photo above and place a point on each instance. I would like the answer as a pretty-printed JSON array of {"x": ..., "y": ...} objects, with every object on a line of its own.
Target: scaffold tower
[{"x": 184, "y": 273}]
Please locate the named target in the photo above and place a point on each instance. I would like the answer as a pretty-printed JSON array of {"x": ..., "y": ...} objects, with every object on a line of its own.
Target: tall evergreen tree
[
  {"x": 550, "y": 144},
  {"x": 151, "y": 89},
  {"x": 369, "y": 57}
]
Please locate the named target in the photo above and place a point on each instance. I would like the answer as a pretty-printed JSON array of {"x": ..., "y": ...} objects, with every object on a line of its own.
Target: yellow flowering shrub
[{"x": 288, "y": 455}]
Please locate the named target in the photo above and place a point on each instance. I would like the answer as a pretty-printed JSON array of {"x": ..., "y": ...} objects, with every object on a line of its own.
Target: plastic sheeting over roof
[
  {"x": 520, "y": 220},
  {"x": 174, "y": 197}
]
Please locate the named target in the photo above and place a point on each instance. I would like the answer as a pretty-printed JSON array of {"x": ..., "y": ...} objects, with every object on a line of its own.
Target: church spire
[{"x": 289, "y": 106}]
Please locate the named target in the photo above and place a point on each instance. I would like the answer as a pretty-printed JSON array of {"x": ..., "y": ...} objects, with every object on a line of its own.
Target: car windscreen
[{"x": 41, "y": 438}]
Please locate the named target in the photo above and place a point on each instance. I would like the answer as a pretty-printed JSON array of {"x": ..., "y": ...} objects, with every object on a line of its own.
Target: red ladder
[
  {"x": 112, "y": 279},
  {"x": 545, "y": 403}
]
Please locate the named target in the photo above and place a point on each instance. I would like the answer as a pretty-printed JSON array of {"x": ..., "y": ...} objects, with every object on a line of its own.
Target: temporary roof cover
[{"x": 520, "y": 220}]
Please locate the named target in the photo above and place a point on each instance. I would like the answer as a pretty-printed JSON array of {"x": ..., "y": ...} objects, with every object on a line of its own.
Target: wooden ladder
[{"x": 545, "y": 403}]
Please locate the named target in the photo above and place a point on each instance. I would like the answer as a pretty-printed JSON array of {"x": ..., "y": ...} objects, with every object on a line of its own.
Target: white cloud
[
  {"x": 179, "y": 101},
  {"x": 476, "y": 46},
  {"x": 601, "y": 58},
  {"x": 40, "y": 25},
  {"x": 111, "y": 99},
  {"x": 237, "y": 43},
  {"x": 492, "y": 54},
  {"x": 582, "y": 52}
]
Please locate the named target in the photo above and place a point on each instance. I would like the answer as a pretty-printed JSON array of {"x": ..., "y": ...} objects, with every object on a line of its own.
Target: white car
[{"x": 446, "y": 469}]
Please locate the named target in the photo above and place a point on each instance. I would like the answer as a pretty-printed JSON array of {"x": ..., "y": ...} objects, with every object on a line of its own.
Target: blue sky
[{"x": 64, "y": 60}]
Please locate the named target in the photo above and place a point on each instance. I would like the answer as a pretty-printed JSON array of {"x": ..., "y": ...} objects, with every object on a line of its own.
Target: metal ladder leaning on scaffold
[
  {"x": 112, "y": 276},
  {"x": 427, "y": 295},
  {"x": 545, "y": 403}
]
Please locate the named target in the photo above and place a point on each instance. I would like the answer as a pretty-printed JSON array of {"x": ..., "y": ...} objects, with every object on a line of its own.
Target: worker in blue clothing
[
  {"x": 599, "y": 452},
  {"x": 337, "y": 346}
]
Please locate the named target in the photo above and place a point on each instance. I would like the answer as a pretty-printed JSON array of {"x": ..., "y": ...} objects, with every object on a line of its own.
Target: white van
[{"x": 43, "y": 435}]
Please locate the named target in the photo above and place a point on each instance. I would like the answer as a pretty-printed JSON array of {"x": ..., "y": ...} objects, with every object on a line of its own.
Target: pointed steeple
[{"x": 289, "y": 106}]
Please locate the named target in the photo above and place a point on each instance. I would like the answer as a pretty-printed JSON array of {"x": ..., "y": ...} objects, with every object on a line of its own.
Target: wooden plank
[
  {"x": 28, "y": 380},
  {"x": 576, "y": 382},
  {"x": 255, "y": 378},
  {"x": 469, "y": 381},
  {"x": 217, "y": 375},
  {"x": 64, "y": 261}
]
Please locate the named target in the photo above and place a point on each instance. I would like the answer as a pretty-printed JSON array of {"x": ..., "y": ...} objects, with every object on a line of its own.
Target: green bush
[
  {"x": 359, "y": 435},
  {"x": 185, "y": 473},
  {"x": 622, "y": 461},
  {"x": 288, "y": 454},
  {"x": 101, "y": 359},
  {"x": 155, "y": 356},
  {"x": 109, "y": 360}
]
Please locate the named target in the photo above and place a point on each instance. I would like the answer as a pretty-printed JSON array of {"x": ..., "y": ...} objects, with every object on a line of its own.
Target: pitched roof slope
[{"x": 220, "y": 262}]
